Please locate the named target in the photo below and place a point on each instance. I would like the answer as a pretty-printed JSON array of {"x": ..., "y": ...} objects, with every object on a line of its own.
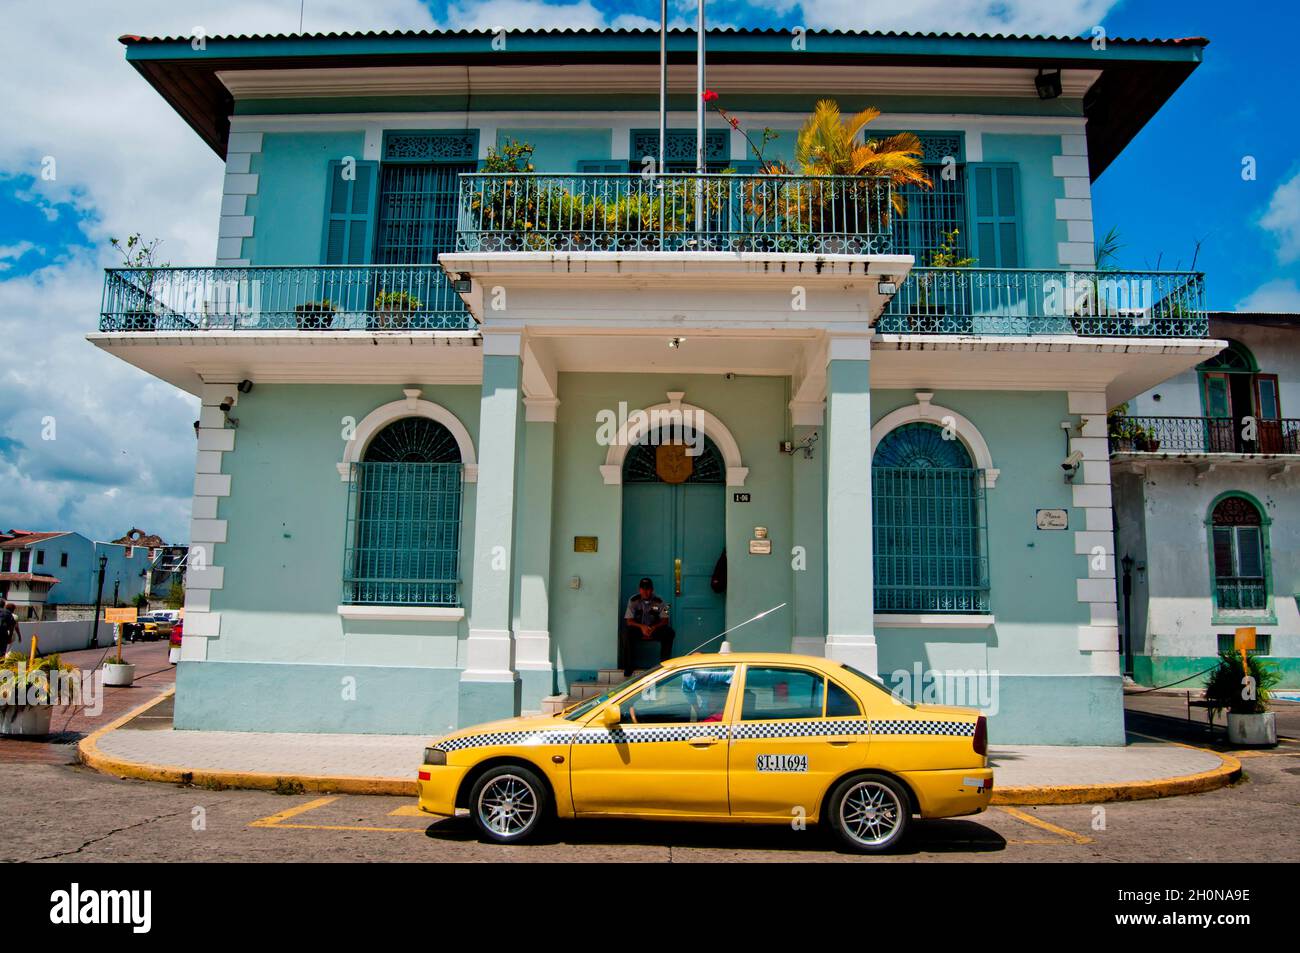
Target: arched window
[
  {"x": 404, "y": 511},
  {"x": 644, "y": 463},
  {"x": 927, "y": 503},
  {"x": 1240, "y": 556}
]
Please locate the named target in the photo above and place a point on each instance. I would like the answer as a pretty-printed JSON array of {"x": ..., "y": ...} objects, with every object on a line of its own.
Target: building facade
[
  {"x": 39, "y": 570},
  {"x": 1207, "y": 505},
  {"x": 458, "y": 399}
]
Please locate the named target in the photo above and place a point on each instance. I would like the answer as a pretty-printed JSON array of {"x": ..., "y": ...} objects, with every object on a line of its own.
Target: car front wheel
[
  {"x": 508, "y": 804},
  {"x": 870, "y": 813}
]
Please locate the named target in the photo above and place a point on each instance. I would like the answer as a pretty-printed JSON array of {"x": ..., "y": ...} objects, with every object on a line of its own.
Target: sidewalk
[
  {"x": 144, "y": 745},
  {"x": 154, "y": 675}
]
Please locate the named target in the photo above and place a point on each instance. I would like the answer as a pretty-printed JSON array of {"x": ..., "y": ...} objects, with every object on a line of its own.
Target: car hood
[{"x": 521, "y": 723}]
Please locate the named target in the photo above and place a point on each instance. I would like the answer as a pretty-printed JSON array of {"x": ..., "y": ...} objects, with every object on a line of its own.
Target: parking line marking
[
  {"x": 281, "y": 820},
  {"x": 277, "y": 820},
  {"x": 408, "y": 810},
  {"x": 1078, "y": 839}
]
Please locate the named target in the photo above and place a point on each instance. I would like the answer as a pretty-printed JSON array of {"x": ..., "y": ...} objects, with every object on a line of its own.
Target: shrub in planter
[
  {"x": 1242, "y": 690},
  {"x": 28, "y": 690},
  {"x": 393, "y": 309}
]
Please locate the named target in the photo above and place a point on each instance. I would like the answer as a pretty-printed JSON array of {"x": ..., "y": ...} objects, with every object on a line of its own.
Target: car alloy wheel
[
  {"x": 871, "y": 814},
  {"x": 507, "y": 806}
]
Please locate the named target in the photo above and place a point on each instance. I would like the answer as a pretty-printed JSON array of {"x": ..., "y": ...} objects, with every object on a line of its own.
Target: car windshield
[{"x": 574, "y": 712}]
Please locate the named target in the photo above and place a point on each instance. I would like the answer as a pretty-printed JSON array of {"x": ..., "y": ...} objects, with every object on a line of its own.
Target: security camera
[
  {"x": 244, "y": 387},
  {"x": 1072, "y": 461},
  {"x": 227, "y": 405}
]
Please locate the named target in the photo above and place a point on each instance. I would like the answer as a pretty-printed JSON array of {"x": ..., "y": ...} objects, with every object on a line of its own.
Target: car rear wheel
[
  {"x": 870, "y": 813},
  {"x": 508, "y": 804}
]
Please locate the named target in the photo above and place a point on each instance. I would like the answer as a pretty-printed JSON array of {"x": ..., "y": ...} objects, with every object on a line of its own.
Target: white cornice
[{"x": 566, "y": 78}]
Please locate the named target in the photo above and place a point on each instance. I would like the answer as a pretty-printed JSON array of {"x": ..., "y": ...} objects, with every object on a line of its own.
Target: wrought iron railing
[
  {"x": 1234, "y": 594},
  {"x": 930, "y": 540},
  {"x": 285, "y": 298},
  {"x": 403, "y": 535},
  {"x": 1130, "y": 434},
  {"x": 1007, "y": 301},
  {"x": 516, "y": 211}
]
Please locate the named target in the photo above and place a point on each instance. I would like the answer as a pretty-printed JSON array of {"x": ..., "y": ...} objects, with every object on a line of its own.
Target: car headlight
[{"x": 435, "y": 756}]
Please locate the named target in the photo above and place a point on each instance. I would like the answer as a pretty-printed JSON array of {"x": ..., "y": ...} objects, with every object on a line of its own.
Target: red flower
[
  {"x": 735, "y": 123},
  {"x": 709, "y": 95}
]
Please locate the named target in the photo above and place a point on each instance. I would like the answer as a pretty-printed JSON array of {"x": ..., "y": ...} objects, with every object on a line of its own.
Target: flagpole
[
  {"x": 699, "y": 122},
  {"x": 663, "y": 84}
]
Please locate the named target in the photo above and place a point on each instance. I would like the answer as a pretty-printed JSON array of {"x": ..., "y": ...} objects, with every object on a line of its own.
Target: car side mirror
[{"x": 611, "y": 716}]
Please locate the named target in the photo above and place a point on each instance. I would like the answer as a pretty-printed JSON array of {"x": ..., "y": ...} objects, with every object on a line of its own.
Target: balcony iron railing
[
  {"x": 1202, "y": 435},
  {"x": 1007, "y": 301},
  {"x": 287, "y": 298},
  {"x": 1240, "y": 593},
  {"x": 515, "y": 211}
]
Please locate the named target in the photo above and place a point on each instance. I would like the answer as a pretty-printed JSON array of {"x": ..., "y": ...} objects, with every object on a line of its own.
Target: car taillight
[{"x": 981, "y": 739}]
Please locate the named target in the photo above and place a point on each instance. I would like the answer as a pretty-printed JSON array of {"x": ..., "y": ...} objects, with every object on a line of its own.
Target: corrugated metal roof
[{"x": 728, "y": 31}]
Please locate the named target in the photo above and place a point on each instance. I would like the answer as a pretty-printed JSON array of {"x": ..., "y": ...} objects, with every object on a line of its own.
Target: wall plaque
[
  {"x": 585, "y": 544},
  {"x": 1052, "y": 519}
]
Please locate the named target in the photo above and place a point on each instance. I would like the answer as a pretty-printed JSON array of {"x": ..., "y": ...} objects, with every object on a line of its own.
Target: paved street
[{"x": 67, "y": 812}]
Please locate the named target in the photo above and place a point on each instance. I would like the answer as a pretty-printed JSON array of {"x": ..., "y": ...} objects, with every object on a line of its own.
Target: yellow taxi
[{"x": 742, "y": 737}]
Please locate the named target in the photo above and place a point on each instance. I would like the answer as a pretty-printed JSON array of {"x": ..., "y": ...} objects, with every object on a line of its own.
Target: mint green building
[{"x": 454, "y": 408}]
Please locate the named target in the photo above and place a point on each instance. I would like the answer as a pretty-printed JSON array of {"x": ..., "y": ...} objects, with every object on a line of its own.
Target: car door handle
[
  {"x": 839, "y": 744},
  {"x": 705, "y": 742}
]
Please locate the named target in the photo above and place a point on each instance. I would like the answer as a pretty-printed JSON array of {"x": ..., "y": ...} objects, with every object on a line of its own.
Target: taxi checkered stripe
[
  {"x": 923, "y": 727},
  {"x": 797, "y": 729},
  {"x": 648, "y": 734}
]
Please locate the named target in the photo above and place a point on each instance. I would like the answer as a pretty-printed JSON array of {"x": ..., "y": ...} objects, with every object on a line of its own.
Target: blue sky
[{"x": 122, "y": 447}]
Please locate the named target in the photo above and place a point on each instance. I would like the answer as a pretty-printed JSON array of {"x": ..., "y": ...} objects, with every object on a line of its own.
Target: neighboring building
[
  {"x": 423, "y": 500},
  {"x": 40, "y": 570},
  {"x": 166, "y": 563},
  {"x": 1206, "y": 472}
]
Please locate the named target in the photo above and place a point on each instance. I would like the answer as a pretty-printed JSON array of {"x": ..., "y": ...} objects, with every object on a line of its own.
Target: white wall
[{"x": 60, "y": 636}]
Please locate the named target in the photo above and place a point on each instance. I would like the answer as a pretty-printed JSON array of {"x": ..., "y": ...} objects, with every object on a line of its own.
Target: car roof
[{"x": 763, "y": 658}]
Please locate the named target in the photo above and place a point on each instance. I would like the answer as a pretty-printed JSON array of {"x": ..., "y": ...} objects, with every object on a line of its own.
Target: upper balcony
[{"x": 1139, "y": 438}]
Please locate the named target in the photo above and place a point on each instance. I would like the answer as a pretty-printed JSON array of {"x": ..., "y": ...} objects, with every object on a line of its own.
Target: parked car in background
[{"x": 174, "y": 640}]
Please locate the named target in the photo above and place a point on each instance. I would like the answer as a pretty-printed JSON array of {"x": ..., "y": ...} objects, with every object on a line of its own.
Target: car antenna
[{"x": 735, "y": 627}]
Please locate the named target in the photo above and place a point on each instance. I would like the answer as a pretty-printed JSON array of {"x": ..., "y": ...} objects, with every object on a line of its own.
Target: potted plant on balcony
[
  {"x": 830, "y": 145},
  {"x": 140, "y": 306},
  {"x": 315, "y": 315},
  {"x": 29, "y": 688},
  {"x": 393, "y": 309},
  {"x": 1240, "y": 685},
  {"x": 1121, "y": 429},
  {"x": 929, "y": 315}
]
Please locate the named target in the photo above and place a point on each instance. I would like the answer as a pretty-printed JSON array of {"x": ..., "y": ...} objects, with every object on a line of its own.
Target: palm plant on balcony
[{"x": 830, "y": 145}]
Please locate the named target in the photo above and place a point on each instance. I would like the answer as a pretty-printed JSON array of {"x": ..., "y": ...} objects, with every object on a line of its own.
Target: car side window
[
  {"x": 777, "y": 693},
  {"x": 840, "y": 704},
  {"x": 686, "y": 697}
]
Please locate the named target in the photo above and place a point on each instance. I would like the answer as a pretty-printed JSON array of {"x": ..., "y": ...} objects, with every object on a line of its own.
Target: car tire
[
  {"x": 869, "y": 813},
  {"x": 509, "y": 804}
]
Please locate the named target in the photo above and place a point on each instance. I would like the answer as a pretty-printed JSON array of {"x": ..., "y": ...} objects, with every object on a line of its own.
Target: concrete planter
[
  {"x": 120, "y": 676},
  {"x": 174, "y": 654},
  {"x": 1260, "y": 729},
  {"x": 25, "y": 720}
]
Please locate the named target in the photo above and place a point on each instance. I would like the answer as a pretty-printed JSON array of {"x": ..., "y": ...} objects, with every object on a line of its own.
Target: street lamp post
[
  {"x": 1127, "y": 565},
  {"x": 99, "y": 597}
]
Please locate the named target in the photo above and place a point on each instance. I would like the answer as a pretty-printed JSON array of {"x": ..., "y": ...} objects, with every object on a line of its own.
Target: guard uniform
[{"x": 645, "y": 610}]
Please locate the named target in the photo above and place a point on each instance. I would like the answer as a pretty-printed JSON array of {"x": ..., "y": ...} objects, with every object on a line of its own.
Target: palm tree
[{"x": 828, "y": 144}]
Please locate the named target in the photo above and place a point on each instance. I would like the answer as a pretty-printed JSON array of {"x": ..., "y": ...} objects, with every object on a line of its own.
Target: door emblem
[{"x": 672, "y": 463}]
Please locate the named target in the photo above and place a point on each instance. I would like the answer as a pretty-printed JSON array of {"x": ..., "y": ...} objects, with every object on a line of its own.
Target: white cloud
[
  {"x": 1282, "y": 218},
  {"x": 1052, "y": 17},
  {"x": 1280, "y": 294}
]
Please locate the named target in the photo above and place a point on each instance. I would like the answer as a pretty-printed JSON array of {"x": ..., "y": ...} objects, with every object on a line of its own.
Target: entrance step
[
  {"x": 615, "y": 676},
  {"x": 554, "y": 704}
]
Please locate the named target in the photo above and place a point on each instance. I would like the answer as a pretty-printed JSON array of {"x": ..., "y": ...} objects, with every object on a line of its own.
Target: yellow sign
[
  {"x": 126, "y": 614},
  {"x": 586, "y": 544},
  {"x": 1244, "y": 639}
]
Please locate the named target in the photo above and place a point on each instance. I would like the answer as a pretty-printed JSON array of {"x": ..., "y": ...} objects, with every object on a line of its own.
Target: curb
[
  {"x": 89, "y": 754},
  {"x": 1228, "y": 771}
]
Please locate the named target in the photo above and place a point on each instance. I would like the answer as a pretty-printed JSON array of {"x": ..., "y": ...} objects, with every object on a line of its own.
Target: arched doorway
[{"x": 674, "y": 531}]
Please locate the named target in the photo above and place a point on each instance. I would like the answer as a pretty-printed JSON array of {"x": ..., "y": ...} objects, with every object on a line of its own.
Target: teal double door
[{"x": 674, "y": 534}]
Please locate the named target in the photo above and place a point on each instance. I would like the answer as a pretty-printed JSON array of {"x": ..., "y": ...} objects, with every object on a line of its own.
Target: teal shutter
[
  {"x": 746, "y": 166},
  {"x": 350, "y": 214},
  {"x": 995, "y": 214}
]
